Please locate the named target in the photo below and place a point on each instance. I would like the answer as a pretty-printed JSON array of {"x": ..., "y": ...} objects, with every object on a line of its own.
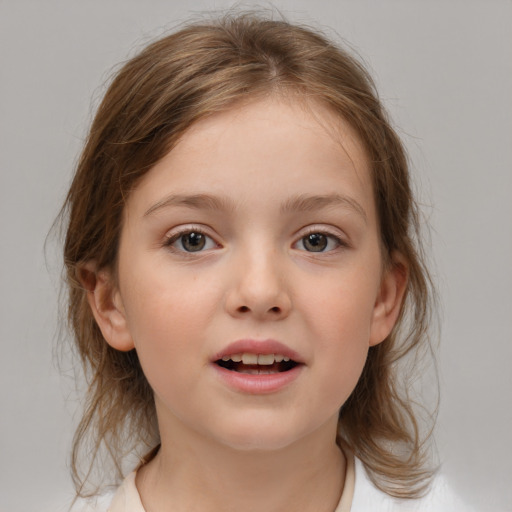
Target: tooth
[
  {"x": 266, "y": 359},
  {"x": 226, "y": 358},
  {"x": 250, "y": 358},
  {"x": 236, "y": 358},
  {"x": 286, "y": 359},
  {"x": 250, "y": 371},
  {"x": 278, "y": 358}
]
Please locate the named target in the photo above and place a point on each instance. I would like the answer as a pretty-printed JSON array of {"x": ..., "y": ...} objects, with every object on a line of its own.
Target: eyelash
[
  {"x": 340, "y": 243},
  {"x": 174, "y": 237}
]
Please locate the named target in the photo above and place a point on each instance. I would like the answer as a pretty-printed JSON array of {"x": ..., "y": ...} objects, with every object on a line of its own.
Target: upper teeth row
[{"x": 256, "y": 358}]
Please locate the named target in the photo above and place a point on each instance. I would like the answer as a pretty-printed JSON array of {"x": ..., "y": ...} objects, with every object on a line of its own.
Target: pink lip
[
  {"x": 263, "y": 347},
  {"x": 257, "y": 384}
]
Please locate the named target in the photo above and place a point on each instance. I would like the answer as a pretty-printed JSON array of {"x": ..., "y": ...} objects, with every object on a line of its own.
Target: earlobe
[
  {"x": 106, "y": 305},
  {"x": 389, "y": 301}
]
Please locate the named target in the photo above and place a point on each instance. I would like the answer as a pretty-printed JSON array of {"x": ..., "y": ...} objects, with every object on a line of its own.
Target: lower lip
[{"x": 258, "y": 384}]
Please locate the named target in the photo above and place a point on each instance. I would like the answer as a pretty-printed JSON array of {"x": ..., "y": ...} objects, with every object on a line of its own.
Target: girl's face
[{"x": 253, "y": 241}]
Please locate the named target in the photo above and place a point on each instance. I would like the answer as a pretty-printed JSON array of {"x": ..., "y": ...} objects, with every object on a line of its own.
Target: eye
[
  {"x": 192, "y": 240},
  {"x": 318, "y": 242}
]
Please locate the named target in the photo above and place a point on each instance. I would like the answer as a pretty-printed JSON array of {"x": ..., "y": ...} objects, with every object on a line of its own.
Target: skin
[{"x": 255, "y": 278}]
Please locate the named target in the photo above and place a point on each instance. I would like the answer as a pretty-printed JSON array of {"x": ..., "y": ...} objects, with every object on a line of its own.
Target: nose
[{"x": 259, "y": 288}]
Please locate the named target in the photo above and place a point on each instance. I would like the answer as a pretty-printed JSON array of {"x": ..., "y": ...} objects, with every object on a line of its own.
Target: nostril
[{"x": 273, "y": 311}]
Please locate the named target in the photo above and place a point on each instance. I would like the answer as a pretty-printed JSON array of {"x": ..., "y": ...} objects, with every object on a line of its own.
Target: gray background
[{"x": 445, "y": 72}]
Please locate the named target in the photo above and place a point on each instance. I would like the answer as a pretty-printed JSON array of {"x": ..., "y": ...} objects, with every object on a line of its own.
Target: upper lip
[{"x": 251, "y": 346}]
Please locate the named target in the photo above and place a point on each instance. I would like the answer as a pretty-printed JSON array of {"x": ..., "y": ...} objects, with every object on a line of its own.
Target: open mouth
[{"x": 257, "y": 364}]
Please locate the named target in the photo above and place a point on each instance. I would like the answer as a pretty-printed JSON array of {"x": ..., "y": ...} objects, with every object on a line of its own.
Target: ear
[
  {"x": 390, "y": 298},
  {"x": 106, "y": 305}
]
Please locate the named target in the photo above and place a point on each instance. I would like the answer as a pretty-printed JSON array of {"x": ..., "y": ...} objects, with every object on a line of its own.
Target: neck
[{"x": 193, "y": 473}]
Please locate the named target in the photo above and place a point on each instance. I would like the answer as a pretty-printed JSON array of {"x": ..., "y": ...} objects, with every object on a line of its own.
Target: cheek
[
  {"x": 167, "y": 316},
  {"x": 167, "y": 300},
  {"x": 341, "y": 318},
  {"x": 343, "y": 306}
]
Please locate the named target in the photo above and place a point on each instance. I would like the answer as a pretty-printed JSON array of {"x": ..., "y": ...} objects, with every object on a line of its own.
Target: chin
[{"x": 258, "y": 436}]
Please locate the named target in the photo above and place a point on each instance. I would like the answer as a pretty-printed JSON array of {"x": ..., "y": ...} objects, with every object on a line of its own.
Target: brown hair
[{"x": 155, "y": 97}]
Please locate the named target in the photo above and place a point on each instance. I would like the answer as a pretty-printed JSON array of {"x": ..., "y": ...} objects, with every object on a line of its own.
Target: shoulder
[{"x": 368, "y": 498}]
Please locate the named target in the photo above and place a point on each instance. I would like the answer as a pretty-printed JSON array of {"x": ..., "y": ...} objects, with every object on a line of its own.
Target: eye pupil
[
  {"x": 193, "y": 241},
  {"x": 315, "y": 242}
]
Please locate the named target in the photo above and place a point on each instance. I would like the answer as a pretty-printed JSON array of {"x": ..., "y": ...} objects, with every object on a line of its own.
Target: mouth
[
  {"x": 258, "y": 367},
  {"x": 257, "y": 364}
]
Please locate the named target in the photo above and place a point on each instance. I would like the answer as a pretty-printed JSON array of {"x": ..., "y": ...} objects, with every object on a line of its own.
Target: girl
[{"x": 244, "y": 275}]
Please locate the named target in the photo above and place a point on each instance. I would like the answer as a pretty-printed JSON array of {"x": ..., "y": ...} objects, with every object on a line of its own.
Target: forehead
[
  {"x": 275, "y": 124},
  {"x": 274, "y": 147}
]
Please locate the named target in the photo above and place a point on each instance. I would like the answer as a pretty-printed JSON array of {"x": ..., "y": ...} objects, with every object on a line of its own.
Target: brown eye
[
  {"x": 190, "y": 241},
  {"x": 193, "y": 242},
  {"x": 315, "y": 242}
]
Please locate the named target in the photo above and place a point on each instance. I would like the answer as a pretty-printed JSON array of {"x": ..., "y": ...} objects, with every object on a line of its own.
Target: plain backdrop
[{"x": 444, "y": 70}]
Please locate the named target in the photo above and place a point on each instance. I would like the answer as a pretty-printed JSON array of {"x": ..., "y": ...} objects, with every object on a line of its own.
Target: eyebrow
[
  {"x": 307, "y": 203},
  {"x": 295, "y": 204},
  {"x": 196, "y": 201}
]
